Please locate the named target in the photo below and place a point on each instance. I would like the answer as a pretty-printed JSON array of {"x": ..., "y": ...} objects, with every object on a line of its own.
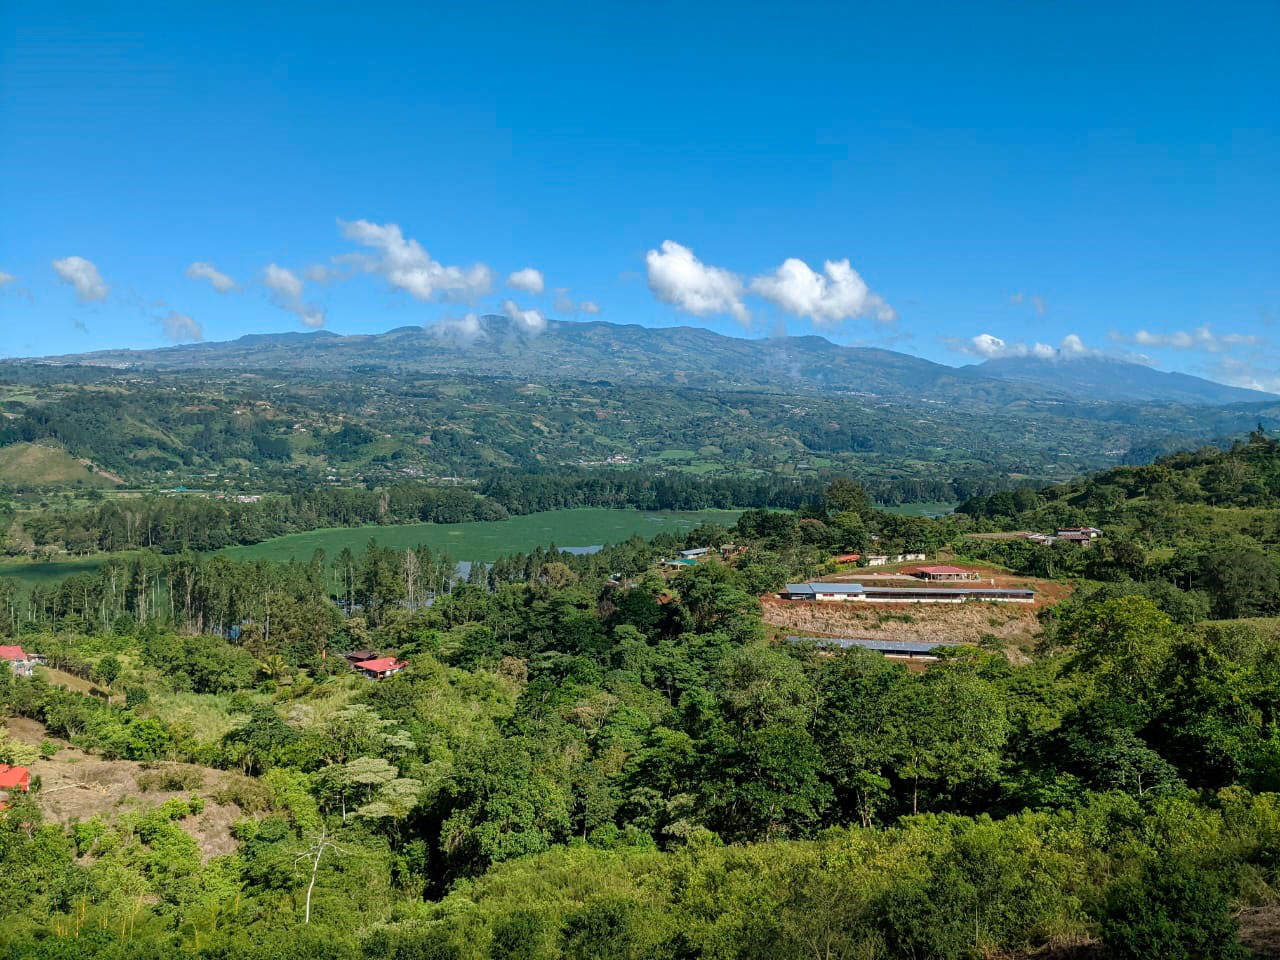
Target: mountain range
[{"x": 678, "y": 356}]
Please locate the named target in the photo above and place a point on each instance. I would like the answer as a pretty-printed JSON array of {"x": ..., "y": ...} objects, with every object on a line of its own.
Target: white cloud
[
  {"x": 1037, "y": 303},
  {"x": 282, "y": 281},
  {"x": 406, "y": 266},
  {"x": 1238, "y": 373},
  {"x": 991, "y": 347},
  {"x": 837, "y": 294},
  {"x": 82, "y": 275},
  {"x": 207, "y": 271},
  {"x": 6, "y": 278},
  {"x": 1201, "y": 338},
  {"x": 564, "y": 303},
  {"x": 530, "y": 321},
  {"x": 679, "y": 278},
  {"x": 286, "y": 293},
  {"x": 529, "y": 280},
  {"x": 179, "y": 327},
  {"x": 465, "y": 329}
]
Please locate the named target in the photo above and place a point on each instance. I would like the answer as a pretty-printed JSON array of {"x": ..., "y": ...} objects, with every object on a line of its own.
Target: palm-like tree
[{"x": 275, "y": 667}]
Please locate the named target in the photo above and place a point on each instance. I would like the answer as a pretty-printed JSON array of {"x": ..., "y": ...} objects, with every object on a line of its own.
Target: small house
[
  {"x": 695, "y": 553},
  {"x": 1081, "y": 536},
  {"x": 846, "y": 558},
  {"x": 14, "y": 778},
  {"x": 20, "y": 662},
  {"x": 380, "y": 667},
  {"x": 943, "y": 572},
  {"x": 877, "y": 560}
]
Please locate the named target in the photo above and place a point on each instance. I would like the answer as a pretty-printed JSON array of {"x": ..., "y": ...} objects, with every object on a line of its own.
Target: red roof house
[
  {"x": 11, "y": 652},
  {"x": 14, "y": 778},
  {"x": 847, "y": 557},
  {"x": 380, "y": 667}
]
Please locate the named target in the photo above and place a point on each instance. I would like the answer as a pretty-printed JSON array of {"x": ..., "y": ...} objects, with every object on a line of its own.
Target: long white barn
[{"x": 843, "y": 592}]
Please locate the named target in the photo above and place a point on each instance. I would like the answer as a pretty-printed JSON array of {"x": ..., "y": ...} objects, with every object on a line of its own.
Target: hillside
[
  {"x": 674, "y": 356},
  {"x": 1112, "y": 380},
  {"x": 28, "y": 465},
  {"x": 257, "y": 431},
  {"x": 1199, "y": 530}
]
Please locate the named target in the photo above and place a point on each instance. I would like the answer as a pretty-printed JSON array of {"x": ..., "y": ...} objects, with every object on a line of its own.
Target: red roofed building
[
  {"x": 381, "y": 667},
  {"x": 14, "y": 778},
  {"x": 19, "y": 661},
  {"x": 847, "y": 557},
  {"x": 944, "y": 572}
]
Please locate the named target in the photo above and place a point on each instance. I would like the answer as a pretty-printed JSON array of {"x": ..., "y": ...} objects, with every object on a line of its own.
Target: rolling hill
[{"x": 1116, "y": 381}]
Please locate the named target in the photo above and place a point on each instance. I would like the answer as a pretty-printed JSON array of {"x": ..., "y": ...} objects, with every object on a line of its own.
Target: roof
[
  {"x": 882, "y": 646},
  {"x": 847, "y": 557},
  {"x": 906, "y": 591},
  {"x": 820, "y": 587},
  {"x": 381, "y": 664},
  {"x": 11, "y": 652},
  {"x": 695, "y": 552},
  {"x": 13, "y": 776},
  {"x": 949, "y": 591},
  {"x": 943, "y": 568}
]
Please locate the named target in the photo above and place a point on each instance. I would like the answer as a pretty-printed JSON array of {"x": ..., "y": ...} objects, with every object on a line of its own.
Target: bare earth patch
[
  {"x": 76, "y": 786},
  {"x": 1015, "y": 625}
]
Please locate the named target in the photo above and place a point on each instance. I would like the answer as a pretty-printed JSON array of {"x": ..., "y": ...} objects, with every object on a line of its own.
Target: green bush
[{"x": 1171, "y": 911}]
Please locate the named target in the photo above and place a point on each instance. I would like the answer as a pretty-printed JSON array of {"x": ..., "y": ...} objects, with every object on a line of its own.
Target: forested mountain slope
[
  {"x": 676, "y": 356},
  {"x": 256, "y": 430}
]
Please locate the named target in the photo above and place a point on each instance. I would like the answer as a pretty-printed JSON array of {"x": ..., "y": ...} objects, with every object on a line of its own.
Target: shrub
[
  {"x": 251, "y": 796},
  {"x": 1171, "y": 911},
  {"x": 171, "y": 780}
]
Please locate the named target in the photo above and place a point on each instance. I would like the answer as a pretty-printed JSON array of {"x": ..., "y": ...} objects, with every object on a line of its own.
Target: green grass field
[
  {"x": 462, "y": 541},
  {"x": 487, "y": 540}
]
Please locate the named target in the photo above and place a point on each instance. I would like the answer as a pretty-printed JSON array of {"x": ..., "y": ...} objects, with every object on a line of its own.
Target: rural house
[
  {"x": 20, "y": 662},
  {"x": 943, "y": 572},
  {"x": 14, "y": 778},
  {"x": 380, "y": 667}
]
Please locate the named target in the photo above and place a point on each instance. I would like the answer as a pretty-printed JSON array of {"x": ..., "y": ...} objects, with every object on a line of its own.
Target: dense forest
[{"x": 584, "y": 759}]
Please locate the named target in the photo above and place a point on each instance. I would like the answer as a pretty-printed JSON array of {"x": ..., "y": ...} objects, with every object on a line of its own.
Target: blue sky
[{"x": 1029, "y": 175}]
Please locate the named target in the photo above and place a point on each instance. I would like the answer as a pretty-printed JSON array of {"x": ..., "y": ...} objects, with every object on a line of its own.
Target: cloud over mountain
[
  {"x": 837, "y": 294},
  {"x": 407, "y": 266},
  {"x": 83, "y": 275},
  {"x": 529, "y": 280},
  {"x": 202, "y": 270},
  {"x": 285, "y": 291},
  {"x": 679, "y": 278}
]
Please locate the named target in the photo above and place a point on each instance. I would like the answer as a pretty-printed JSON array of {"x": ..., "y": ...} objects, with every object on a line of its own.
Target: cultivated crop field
[{"x": 487, "y": 540}]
